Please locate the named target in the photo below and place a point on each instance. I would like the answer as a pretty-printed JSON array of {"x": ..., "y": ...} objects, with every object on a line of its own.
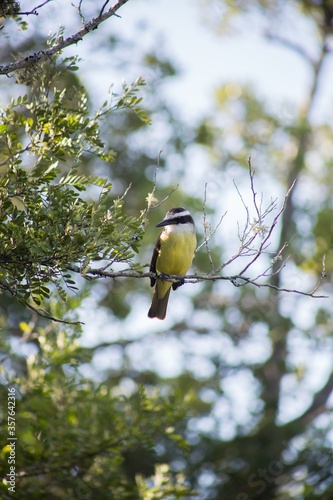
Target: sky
[{"x": 206, "y": 59}]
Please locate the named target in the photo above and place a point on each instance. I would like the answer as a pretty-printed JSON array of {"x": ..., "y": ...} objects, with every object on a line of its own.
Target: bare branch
[
  {"x": 151, "y": 200},
  {"x": 13, "y": 155},
  {"x": 245, "y": 233},
  {"x": 42, "y": 55},
  {"x": 237, "y": 279},
  {"x": 103, "y": 8},
  {"x": 46, "y": 315},
  {"x": 78, "y": 8},
  {"x": 34, "y": 11},
  {"x": 38, "y": 310},
  {"x": 254, "y": 194},
  {"x": 208, "y": 232},
  {"x": 269, "y": 233},
  {"x": 251, "y": 231}
]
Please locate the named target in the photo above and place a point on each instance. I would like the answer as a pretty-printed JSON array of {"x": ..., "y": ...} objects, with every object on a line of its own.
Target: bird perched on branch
[{"x": 173, "y": 255}]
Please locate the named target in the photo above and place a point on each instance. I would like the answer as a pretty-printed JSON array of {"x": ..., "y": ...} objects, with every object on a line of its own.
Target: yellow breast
[{"x": 176, "y": 252}]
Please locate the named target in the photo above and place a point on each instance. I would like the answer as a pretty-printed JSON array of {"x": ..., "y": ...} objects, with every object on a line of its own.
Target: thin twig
[
  {"x": 13, "y": 155},
  {"x": 103, "y": 7},
  {"x": 269, "y": 233},
  {"x": 152, "y": 201},
  {"x": 46, "y": 315},
  {"x": 78, "y": 8},
  {"x": 247, "y": 223},
  {"x": 254, "y": 194},
  {"x": 208, "y": 232},
  {"x": 34, "y": 10}
]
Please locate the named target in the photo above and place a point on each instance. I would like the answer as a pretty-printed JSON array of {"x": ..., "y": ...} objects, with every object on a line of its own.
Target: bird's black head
[{"x": 177, "y": 215}]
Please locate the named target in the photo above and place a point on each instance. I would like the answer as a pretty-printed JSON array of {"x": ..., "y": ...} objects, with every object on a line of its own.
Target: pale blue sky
[{"x": 207, "y": 60}]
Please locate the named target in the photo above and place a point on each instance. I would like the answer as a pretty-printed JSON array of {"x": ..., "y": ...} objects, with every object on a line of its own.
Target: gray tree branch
[
  {"x": 237, "y": 280},
  {"x": 42, "y": 55}
]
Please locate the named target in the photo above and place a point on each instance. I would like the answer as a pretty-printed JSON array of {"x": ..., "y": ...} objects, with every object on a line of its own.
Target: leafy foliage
[
  {"x": 9, "y": 7},
  {"x": 74, "y": 438},
  {"x": 48, "y": 227}
]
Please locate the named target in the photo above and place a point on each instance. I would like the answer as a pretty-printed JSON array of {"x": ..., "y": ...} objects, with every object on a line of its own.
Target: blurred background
[{"x": 225, "y": 82}]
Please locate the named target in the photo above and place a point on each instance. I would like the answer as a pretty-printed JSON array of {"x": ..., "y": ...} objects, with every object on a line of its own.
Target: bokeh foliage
[{"x": 77, "y": 438}]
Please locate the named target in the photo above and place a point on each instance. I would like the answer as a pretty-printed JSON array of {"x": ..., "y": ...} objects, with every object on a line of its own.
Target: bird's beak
[{"x": 165, "y": 222}]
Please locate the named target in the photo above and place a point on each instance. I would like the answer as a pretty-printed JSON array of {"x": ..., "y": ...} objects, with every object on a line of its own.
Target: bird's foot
[
  {"x": 178, "y": 284},
  {"x": 163, "y": 276}
]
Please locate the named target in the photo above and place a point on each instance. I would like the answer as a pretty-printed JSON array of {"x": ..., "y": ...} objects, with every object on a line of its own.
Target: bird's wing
[{"x": 152, "y": 268}]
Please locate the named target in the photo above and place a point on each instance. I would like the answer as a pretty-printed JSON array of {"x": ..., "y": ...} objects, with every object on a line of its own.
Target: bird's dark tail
[{"x": 159, "y": 306}]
